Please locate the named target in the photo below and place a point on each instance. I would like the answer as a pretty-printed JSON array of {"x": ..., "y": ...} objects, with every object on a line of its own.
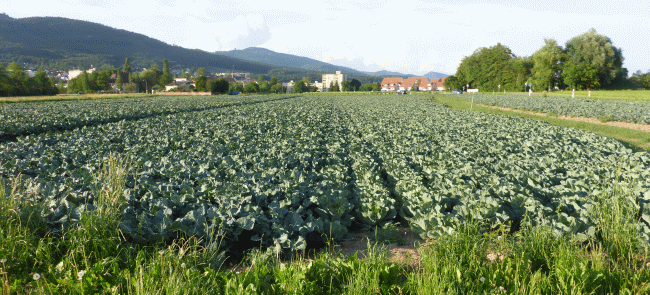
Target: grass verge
[{"x": 634, "y": 139}]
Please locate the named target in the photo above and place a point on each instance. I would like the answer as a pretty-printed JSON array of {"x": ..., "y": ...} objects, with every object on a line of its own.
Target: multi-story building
[{"x": 329, "y": 79}]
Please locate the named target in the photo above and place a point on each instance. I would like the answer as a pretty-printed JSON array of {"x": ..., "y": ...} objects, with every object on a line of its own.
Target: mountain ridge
[{"x": 268, "y": 56}]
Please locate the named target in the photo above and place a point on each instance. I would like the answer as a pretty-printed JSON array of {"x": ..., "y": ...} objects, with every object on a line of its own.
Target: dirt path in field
[
  {"x": 405, "y": 253},
  {"x": 628, "y": 125}
]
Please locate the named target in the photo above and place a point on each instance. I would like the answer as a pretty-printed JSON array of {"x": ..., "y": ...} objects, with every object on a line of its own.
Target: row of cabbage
[
  {"x": 277, "y": 172},
  {"x": 446, "y": 167},
  {"x": 288, "y": 172},
  {"x": 28, "y": 118},
  {"x": 625, "y": 111}
]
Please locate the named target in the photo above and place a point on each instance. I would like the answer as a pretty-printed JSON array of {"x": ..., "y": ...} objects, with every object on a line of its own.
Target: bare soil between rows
[{"x": 628, "y": 125}]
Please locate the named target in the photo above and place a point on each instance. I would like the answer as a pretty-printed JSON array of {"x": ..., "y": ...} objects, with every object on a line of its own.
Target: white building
[
  {"x": 329, "y": 79},
  {"x": 75, "y": 73}
]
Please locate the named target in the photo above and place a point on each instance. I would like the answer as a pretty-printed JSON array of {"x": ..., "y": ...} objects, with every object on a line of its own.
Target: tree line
[
  {"x": 14, "y": 81},
  {"x": 588, "y": 61}
]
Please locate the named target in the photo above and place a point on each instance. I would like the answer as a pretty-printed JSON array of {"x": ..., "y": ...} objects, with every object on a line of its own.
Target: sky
[{"x": 407, "y": 36}]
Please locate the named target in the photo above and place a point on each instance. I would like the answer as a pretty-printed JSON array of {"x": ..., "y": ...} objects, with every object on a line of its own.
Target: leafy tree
[
  {"x": 346, "y": 86},
  {"x": 251, "y": 87},
  {"x": 370, "y": 87},
  {"x": 264, "y": 87},
  {"x": 220, "y": 85},
  {"x": 127, "y": 66},
  {"x": 334, "y": 87},
  {"x": 260, "y": 78},
  {"x": 166, "y": 77},
  {"x": 43, "y": 84},
  {"x": 307, "y": 80},
  {"x": 147, "y": 79},
  {"x": 277, "y": 88},
  {"x": 201, "y": 84},
  {"x": 273, "y": 81},
  {"x": 547, "y": 65},
  {"x": 118, "y": 80},
  {"x": 356, "y": 84},
  {"x": 236, "y": 87},
  {"x": 580, "y": 75},
  {"x": 299, "y": 87},
  {"x": 5, "y": 86},
  {"x": 453, "y": 82},
  {"x": 201, "y": 72},
  {"x": 489, "y": 67},
  {"x": 598, "y": 53}
]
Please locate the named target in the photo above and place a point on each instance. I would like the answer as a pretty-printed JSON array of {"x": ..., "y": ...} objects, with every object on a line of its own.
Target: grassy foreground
[
  {"x": 93, "y": 258},
  {"x": 632, "y": 138}
]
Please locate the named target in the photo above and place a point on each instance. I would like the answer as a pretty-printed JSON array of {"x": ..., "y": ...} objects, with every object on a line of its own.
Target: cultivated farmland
[
  {"x": 287, "y": 171},
  {"x": 617, "y": 110}
]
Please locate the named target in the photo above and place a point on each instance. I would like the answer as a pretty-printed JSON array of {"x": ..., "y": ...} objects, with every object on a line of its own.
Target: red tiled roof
[
  {"x": 411, "y": 81},
  {"x": 391, "y": 80}
]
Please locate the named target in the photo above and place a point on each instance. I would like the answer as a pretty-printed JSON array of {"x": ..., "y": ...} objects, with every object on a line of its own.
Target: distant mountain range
[
  {"x": 68, "y": 43},
  {"x": 62, "y": 43},
  {"x": 266, "y": 56}
]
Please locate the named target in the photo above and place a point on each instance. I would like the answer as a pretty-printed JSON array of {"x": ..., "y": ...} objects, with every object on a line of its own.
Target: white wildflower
[
  {"x": 161, "y": 252},
  {"x": 183, "y": 265},
  {"x": 80, "y": 275},
  {"x": 36, "y": 276},
  {"x": 482, "y": 279},
  {"x": 499, "y": 238},
  {"x": 647, "y": 264},
  {"x": 3, "y": 260},
  {"x": 491, "y": 257}
]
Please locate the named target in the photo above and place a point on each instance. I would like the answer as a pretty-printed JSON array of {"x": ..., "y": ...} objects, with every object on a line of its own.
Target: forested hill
[{"x": 66, "y": 43}]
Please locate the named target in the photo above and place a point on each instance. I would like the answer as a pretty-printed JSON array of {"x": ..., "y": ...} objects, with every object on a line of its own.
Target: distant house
[
  {"x": 391, "y": 84},
  {"x": 439, "y": 84},
  {"x": 415, "y": 83},
  {"x": 75, "y": 73},
  {"x": 180, "y": 83}
]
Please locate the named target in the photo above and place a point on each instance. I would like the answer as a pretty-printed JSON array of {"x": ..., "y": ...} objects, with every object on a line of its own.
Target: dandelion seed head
[
  {"x": 491, "y": 257},
  {"x": 3, "y": 260},
  {"x": 183, "y": 265},
  {"x": 36, "y": 276},
  {"x": 161, "y": 252},
  {"x": 647, "y": 264},
  {"x": 482, "y": 279},
  {"x": 499, "y": 238}
]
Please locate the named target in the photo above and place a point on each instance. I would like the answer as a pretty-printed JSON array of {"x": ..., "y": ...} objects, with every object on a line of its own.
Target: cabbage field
[
  {"x": 617, "y": 110},
  {"x": 287, "y": 171}
]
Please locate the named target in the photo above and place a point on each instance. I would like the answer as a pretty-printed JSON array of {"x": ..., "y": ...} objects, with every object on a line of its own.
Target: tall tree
[
  {"x": 118, "y": 80},
  {"x": 127, "y": 66},
  {"x": 598, "y": 52},
  {"x": 356, "y": 84},
  {"x": 334, "y": 87},
  {"x": 166, "y": 77},
  {"x": 273, "y": 81},
  {"x": 201, "y": 72}
]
